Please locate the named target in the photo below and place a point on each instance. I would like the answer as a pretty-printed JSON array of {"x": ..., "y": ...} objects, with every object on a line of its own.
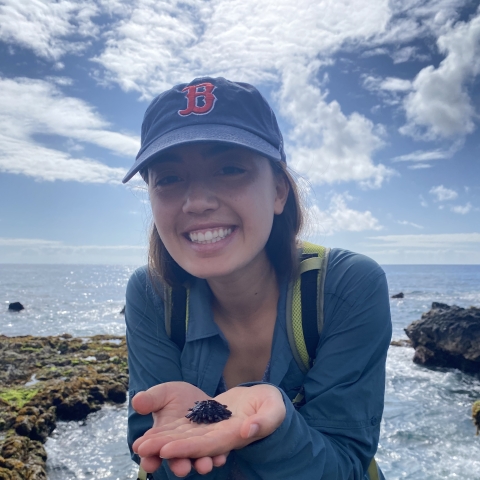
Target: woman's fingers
[
  {"x": 203, "y": 465},
  {"x": 204, "y": 442},
  {"x": 181, "y": 467},
  {"x": 154, "y": 439},
  {"x": 150, "y": 464},
  {"x": 219, "y": 460}
]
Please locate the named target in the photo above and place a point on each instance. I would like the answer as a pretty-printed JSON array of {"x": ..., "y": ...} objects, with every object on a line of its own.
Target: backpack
[{"x": 304, "y": 304}]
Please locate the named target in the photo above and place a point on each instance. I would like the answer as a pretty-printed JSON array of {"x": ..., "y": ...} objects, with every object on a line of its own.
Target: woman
[{"x": 226, "y": 218}]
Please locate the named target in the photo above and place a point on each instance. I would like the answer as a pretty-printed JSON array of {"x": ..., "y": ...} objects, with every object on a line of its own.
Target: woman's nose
[{"x": 199, "y": 198}]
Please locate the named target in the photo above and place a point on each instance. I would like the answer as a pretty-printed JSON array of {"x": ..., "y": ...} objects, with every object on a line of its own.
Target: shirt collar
[{"x": 200, "y": 314}]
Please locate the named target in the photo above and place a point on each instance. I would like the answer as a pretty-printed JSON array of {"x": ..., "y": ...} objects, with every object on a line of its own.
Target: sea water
[{"x": 426, "y": 432}]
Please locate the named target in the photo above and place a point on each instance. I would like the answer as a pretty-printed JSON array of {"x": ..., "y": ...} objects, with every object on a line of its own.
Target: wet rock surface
[
  {"x": 447, "y": 336},
  {"x": 45, "y": 379},
  {"x": 16, "y": 307}
]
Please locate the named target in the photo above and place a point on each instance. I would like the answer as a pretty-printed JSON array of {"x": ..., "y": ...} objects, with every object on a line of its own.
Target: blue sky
[{"x": 379, "y": 103}]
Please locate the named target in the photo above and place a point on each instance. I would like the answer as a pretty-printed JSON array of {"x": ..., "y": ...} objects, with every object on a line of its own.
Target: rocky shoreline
[{"x": 45, "y": 379}]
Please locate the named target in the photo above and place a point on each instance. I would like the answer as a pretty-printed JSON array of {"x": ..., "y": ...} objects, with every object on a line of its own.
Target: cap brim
[{"x": 204, "y": 133}]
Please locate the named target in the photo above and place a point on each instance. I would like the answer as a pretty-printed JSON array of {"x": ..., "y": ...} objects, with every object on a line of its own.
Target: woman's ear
[{"x": 282, "y": 188}]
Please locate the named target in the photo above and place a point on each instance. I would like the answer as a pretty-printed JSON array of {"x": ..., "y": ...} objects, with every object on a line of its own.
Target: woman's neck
[{"x": 247, "y": 294}]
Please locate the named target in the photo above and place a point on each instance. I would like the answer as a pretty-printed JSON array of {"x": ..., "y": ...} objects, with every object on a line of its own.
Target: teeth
[{"x": 210, "y": 236}]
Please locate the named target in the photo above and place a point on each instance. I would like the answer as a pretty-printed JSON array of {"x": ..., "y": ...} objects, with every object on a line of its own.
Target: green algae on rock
[
  {"x": 45, "y": 379},
  {"x": 18, "y": 396}
]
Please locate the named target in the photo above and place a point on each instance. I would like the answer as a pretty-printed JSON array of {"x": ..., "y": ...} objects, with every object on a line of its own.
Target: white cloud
[
  {"x": 396, "y": 84},
  {"x": 37, "y": 250},
  {"x": 423, "y": 203},
  {"x": 443, "y": 193},
  {"x": 391, "y": 84},
  {"x": 62, "y": 81},
  {"x": 390, "y": 89},
  {"x": 24, "y": 157},
  {"x": 419, "y": 166},
  {"x": 410, "y": 224},
  {"x": 28, "y": 242},
  {"x": 31, "y": 107},
  {"x": 462, "y": 210},
  {"x": 158, "y": 44},
  {"x": 338, "y": 217},
  {"x": 423, "y": 156},
  {"x": 326, "y": 145},
  {"x": 45, "y": 26},
  {"x": 59, "y": 245},
  {"x": 406, "y": 54},
  {"x": 442, "y": 240},
  {"x": 448, "y": 255},
  {"x": 413, "y": 19},
  {"x": 439, "y": 105}
]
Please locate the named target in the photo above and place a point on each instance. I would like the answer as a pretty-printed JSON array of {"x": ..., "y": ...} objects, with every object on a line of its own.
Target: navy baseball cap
[{"x": 209, "y": 110}]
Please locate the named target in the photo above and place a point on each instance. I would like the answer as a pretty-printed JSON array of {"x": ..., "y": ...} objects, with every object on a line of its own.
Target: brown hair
[{"x": 281, "y": 246}]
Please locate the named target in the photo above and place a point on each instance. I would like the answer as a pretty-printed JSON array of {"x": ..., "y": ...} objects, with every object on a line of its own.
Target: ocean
[{"x": 426, "y": 432}]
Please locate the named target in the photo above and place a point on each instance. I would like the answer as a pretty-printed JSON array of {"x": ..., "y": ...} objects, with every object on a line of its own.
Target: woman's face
[{"x": 213, "y": 206}]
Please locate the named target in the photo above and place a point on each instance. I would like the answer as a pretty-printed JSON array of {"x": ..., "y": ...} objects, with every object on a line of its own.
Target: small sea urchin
[{"x": 208, "y": 411}]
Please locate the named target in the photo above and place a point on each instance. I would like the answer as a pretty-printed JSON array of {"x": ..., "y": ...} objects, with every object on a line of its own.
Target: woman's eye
[
  {"x": 231, "y": 170},
  {"x": 168, "y": 180}
]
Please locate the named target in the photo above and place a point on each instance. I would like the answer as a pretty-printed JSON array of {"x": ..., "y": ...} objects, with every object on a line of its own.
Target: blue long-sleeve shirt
[{"x": 335, "y": 434}]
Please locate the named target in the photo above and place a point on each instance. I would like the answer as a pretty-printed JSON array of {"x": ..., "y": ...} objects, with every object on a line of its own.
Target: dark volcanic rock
[
  {"x": 16, "y": 307},
  {"x": 447, "y": 336},
  {"x": 45, "y": 379},
  {"x": 22, "y": 458},
  {"x": 75, "y": 407},
  {"x": 117, "y": 393},
  {"x": 398, "y": 295}
]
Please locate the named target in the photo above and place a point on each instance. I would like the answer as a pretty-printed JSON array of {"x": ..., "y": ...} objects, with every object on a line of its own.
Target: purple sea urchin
[{"x": 208, "y": 411}]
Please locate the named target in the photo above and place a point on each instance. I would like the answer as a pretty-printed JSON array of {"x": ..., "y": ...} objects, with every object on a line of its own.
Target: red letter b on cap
[{"x": 194, "y": 92}]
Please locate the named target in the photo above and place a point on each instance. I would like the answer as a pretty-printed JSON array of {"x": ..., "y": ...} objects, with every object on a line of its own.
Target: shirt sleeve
[
  {"x": 335, "y": 434},
  {"x": 152, "y": 357}
]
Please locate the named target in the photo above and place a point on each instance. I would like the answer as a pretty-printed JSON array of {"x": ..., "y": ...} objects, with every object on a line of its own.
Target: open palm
[
  {"x": 168, "y": 404},
  {"x": 257, "y": 411}
]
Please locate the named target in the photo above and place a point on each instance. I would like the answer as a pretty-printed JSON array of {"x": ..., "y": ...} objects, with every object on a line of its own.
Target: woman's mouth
[{"x": 210, "y": 236}]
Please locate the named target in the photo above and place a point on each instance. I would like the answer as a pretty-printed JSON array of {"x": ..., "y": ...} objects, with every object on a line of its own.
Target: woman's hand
[
  {"x": 169, "y": 403},
  {"x": 257, "y": 411}
]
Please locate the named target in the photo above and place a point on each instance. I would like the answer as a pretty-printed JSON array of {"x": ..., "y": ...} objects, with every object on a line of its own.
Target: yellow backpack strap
[
  {"x": 176, "y": 314},
  {"x": 373, "y": 470},
  {"x": 142, "y": 474},
  {"x": 303, "y": 331}
]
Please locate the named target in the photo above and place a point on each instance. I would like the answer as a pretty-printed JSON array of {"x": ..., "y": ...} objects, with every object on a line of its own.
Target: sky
[{"x": 378, "y": 102}]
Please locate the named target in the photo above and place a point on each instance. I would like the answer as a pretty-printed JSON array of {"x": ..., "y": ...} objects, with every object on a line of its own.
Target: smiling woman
[{"x": 217, "y": 314}]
